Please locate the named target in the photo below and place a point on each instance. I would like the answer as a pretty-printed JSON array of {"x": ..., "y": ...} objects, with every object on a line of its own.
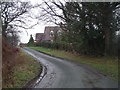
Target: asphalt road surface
[{"x": 66, "y": 74}]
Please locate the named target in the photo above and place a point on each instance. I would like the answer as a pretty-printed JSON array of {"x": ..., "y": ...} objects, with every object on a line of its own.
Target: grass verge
[
  {"x": 104, "y": 64},
  {"x": 26, "y": 69}
]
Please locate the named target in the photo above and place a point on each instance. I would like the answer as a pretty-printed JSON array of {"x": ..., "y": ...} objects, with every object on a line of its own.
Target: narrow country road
[{"x": 67, "y": 74}]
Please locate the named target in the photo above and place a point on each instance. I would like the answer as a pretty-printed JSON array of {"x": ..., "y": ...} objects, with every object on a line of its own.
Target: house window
[
  {"x": 59, "y": 32},
  {"x": 51, "y": 33}
]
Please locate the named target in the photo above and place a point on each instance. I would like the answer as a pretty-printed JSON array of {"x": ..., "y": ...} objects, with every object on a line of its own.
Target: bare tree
[
  {"x": 15, "y": 15},
  {"x": 50, "y": 12}
]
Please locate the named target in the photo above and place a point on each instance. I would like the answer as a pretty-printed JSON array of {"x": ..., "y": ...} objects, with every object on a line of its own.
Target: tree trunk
[
  {"x": 4, "y": 27},
  {"x": 109, "y": 44}
]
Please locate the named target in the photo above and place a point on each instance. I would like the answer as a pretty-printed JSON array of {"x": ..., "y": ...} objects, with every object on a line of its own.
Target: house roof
[
  {"x": 48, "y": 29},
  {"x": 39, "y": 36},
  {"x": 46, "y": 34}
]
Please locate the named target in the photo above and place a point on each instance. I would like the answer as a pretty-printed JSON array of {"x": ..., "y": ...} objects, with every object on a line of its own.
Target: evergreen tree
[
  {"x": 31, "y": 41},
  {"x": 91, "y": 26}
]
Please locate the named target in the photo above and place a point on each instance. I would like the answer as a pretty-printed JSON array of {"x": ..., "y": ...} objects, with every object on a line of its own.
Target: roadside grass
[
  {"x": 104, "y": 64},
  {"x": 26, "y": 69}
]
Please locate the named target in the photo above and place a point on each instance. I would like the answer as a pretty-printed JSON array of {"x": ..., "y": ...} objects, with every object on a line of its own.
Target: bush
[
  {"x": 56, "y": 45},
  {"x": 87, "y": 48}
]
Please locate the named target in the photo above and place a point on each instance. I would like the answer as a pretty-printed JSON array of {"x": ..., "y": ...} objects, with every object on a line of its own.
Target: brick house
[
  {"x": 39, "y": 37},
  {"x": 50, "y": 34}
]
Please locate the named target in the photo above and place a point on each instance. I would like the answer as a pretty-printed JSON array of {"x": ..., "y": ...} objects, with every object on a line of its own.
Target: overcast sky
[{"x": 25, "y": 34}]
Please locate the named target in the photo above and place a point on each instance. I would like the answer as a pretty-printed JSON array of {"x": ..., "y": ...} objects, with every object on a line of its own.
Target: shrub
[{"x": 8, "y": 62}]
